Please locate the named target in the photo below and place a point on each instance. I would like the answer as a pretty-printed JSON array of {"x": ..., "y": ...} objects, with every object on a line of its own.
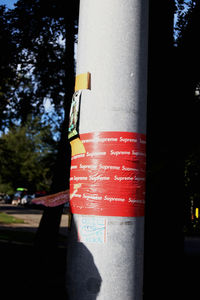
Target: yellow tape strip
[
  {"x": 77, "y": 147},
  {"x": 83, "y": 81},
  {"x": 197, "y": 212}
]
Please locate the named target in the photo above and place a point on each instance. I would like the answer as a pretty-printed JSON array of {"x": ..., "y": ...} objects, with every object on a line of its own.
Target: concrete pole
[{"x": 105, "y": 256}]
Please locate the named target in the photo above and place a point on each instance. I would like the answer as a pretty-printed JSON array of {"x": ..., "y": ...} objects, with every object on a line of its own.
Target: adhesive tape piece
[
  {"x": 83, "y": 81},
  {"x": 111, "y": 174},
  {"x": 77, "y": 147}
]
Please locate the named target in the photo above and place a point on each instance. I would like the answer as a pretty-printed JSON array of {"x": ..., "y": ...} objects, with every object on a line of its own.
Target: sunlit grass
[{"x": 7, "y": 219}]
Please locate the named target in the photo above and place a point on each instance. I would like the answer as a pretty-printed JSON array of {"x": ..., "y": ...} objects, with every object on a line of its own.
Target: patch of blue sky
[
  {"x": 186, "y": 5},
  {"x": 8, "y": 3}
]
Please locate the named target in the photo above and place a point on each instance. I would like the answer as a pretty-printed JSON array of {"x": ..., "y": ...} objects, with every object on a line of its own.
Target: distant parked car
[
  {"x": 5, "y": 198},
  {"x": 26, "y": 199},
  {"x": 16, "y": 198},
  {"x": 20, "y": 193}
]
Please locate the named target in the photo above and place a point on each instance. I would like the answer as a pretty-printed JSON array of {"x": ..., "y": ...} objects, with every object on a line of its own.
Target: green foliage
[
  {"x": 27, "y": 157},
  {"x": 6, "y": 188},
  {"x": 39, "y": 49},
  {"x": 8, "y": 66},
  {"x": 35, "y": 55},
  {"x": 40, "y": 53}
]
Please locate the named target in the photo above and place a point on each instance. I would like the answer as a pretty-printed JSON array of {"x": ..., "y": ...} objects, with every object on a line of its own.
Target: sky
[{"x": 8, "y": 3}]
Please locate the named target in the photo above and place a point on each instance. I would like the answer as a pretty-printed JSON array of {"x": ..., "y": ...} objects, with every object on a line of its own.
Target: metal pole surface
[{"x": 105, "y": 255}]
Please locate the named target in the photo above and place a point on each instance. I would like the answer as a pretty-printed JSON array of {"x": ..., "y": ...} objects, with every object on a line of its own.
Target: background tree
[
  {"x": 8, "y": 67},
  {"x": 27, "y": 154},
  {"x": 47, "y": 45},
  {"x": 44, "y": 34}
]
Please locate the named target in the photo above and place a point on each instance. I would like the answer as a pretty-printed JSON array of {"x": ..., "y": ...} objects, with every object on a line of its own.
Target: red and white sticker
[{"x": 109, "y": 179}]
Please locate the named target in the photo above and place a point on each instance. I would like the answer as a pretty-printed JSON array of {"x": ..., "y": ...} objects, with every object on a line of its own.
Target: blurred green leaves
[{"x": 27, "y": 156}]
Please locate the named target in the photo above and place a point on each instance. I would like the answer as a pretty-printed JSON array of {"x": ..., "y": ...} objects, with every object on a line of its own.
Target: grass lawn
[{"x": 7, "y": 219}]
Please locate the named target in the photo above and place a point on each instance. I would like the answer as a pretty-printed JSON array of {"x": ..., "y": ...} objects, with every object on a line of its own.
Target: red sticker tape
[{"x": 109, "y": 179}]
